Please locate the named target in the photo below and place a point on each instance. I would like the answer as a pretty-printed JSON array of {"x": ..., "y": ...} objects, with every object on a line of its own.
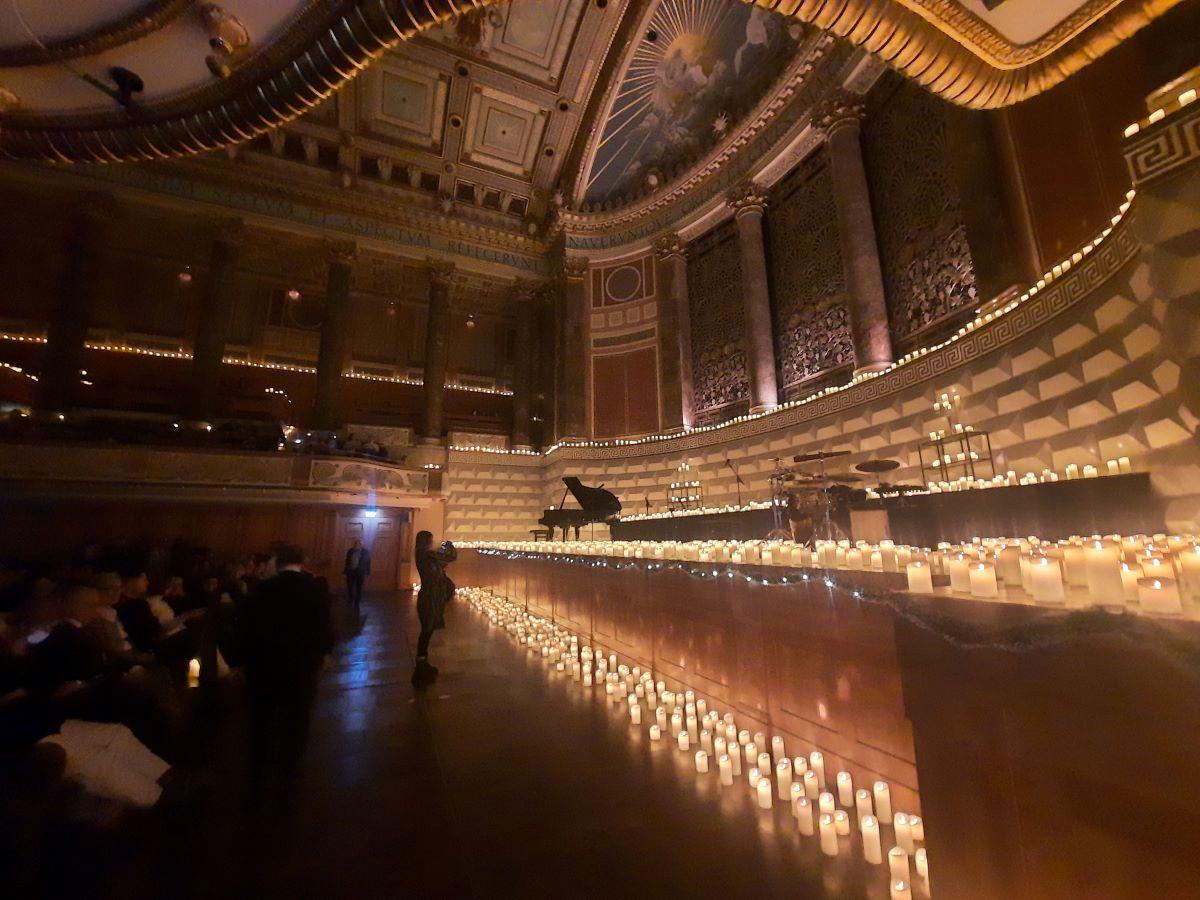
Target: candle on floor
[
  {"x": 872, "y": 848},
  {"x": 735, "y": 759},
  {"x": 803, "y": 811},
  {"x": 917, "y": 826},
  {"x": 841, "y": 822},
  {"x": 901, "y": 890},
  {"x": 845, "y": 788},
  {"x": 765, "y": 800},
  {"x": 862, "y": 803},
  {"x": 193, "y": 676},
  {"x": 660, "y": 717},
  {"x": 817, "y": 763},
  {"x": 799, "y": 767},
  {"x": 684, "y": 742},
  {"x": 898, "y": 864},
  {"x": 725, "y": 768},
  {"x": 903, "y": 832},
  {"x": 826, "y": 803},
  {"x": 921, "y": 860},
  {"x": 706, "y": 742},
  {"x": 1102, "y": 562},
  {"x": 743, "y": 737},
  {"x": 760, "y": 741},
  {"x": 812, "y": 787},
  {"x": 920, "y": 578},
  {"x": 957, "y": 567},
  {"x": 829, "y": 841},
  {"x": 883, "y": 801},
  {"x": 701, "y": 762},
  {"x": 1045, "y": 579},
  {"x": 731, "y": 735},
  {"x": 783, "y": 778},
  {"x": 983, "y": 580},
  {"x": 719, "y": 745},
  {"x": 764, "y": 762},
  {"x": 777, "y": 750},
  {"x": 655, "y": 733},
  {"x": 1158, "y": 595},
  {"x": 751, "y": 752},
  {"x": 635, "y": 715},
  {"x": 701, "y": 708},
  {"x": 753, "y": 776}
]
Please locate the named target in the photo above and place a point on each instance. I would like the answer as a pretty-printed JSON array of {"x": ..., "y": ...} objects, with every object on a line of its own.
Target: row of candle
[
  {"x": 707, "y": 736},
  {"x": 1120, "y": 466}
]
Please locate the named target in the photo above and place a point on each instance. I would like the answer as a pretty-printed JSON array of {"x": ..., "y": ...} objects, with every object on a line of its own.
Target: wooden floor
[{"x": 499, "y": 781}]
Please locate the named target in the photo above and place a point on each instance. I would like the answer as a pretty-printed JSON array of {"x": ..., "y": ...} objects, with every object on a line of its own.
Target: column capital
[
  {"x": 746, "y": 198},
  {"x": 525, "y": 289},
  {"x": 440, "y": 271},
  {"x": 575, "y": 266},
  {"x": 839, "y": 109},
  {"x": 340, "y": 251},
  {"x": 670, "y": 246}
]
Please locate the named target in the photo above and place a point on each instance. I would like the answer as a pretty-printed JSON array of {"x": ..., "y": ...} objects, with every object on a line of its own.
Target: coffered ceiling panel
[
  {"x": 406, "y": 101},
  {"x": 504, "y": 132}
]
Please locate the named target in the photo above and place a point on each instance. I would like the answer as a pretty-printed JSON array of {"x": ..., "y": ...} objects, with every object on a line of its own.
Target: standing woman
[{"x": 436, "y": 591}]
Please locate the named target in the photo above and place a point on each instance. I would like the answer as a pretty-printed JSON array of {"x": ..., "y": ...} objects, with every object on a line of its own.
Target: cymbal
[
  {"x": 818, "y": 455},
  {"x": 875, "y": 466}
]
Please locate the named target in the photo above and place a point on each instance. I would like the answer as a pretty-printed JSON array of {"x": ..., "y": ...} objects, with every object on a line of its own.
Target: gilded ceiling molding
[
  {"x": 575, "y": 266},
  {"x": 932, "y": 42},
  {"x": 136, "y": 23},
  {"x": 746, "y": 198},
  {"x": 670, "y": 246}
]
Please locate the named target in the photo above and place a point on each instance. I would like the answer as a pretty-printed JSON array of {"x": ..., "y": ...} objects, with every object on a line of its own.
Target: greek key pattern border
[
  {"x": 1164, "y": 147},
  {"x": 1108, "y": 258}
]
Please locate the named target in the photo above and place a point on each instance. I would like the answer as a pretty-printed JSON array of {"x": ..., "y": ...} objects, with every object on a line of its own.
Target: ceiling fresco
[{"x": 699, "y": 68}]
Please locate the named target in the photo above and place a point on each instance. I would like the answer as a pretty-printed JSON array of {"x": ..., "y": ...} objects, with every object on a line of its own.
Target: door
[{"x": 380, "y": 535}]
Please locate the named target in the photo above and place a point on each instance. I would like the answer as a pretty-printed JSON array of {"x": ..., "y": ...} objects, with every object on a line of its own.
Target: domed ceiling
[{"x": 699, "y": 67}]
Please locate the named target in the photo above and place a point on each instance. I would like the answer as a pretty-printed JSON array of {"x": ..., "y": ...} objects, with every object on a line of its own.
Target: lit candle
[
  {"x": 903, "y": 832},
  {"x": 764, "y": 794},
  {"x": 898, "y": 864},
  {"x": 655, "y": 733},
  {"x": 883, "y": 801},
  {"x": 862, "y": 803},
  {"x": 701, "y": 762},
  {"x": 829, "y": 841},
  {"x": 817, "y": 763},
  {"x": 841, "y": 822},
  {"x": 1113, "y": 467},
  {"x": 1102, "y": 563},
  {"x": 901, "y": 890},
  {"x": 920, "y": 578},
  {"x": 1124, "y": 465},
  {"x": 804, "y": 815},
  {"x": 754, "y": 777},
  {"x": 917, "y": 826},
  {"x": 684, "y": 742},
  {"x": 826, "y": 803},
  {"x": 751, "y": 752},
  {"x": 922, "y": 865},
  {"x": 1045, "y": 579},
  {"x": 731, "y": 734},
  {"x": 783, "y": 778},
  {"x": 660, "y": 716},
  {"x": 193, "y": 672},
  {"x": 1158, "y": 595},
  {"x": 845, "y": 787},
  {"x": 719, "y": 745},
  {"x": 812, "y": 786},
  {"x": 735, "y": 760},
  {"x": 706, "y": 742},
  {"x": 957, "y": 568},
  {"x": 693, "y": 729},
  {"x": 725, "y": 768},
  {"x": 777, "y": 750},
  {"x": 872, "y": 849},
  {"x": 743, "y": 737},
  {"x": 635, "y": 715},
  {"x": 983, "y": 580}
]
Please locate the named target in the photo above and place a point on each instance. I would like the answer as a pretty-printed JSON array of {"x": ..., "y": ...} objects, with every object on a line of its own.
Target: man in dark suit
[
  {"x": 357, "y": 568},
  {"x": 287, "y": 632}
]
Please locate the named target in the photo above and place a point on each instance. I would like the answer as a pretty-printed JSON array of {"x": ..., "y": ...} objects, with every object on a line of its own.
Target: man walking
[
  {"x": 287, "y": 632},
  {"x": 357, "y": 568}
]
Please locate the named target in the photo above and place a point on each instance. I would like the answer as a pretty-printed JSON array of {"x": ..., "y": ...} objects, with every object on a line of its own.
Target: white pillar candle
[
  {"x": 701, "y": 708},
  {"x": 1112, "y": 467},
  {"x": 1045, "y": 579},
  {"x": 898, "y": 864},
  {"x": 777, "y": 749},
  {"x": 872, "y": 848},
  {"x": 655, "y": 733},
  {"x": 845, "y": 789},
  {"x": 725, "y": 767},
  {"x": 1124, "y": 465},
  {"x": 817, "y": 763},
  {"x": 920, "y": 578},
  {"x": 799, "y": 766},
  {"x": 701, "y": 762},
  {"x": 719, "y": 745},
  {"x": 706, "y": 742},
  {"x": 841, "y": 822},
  {"x": 684, "y": 742},
  {"x": 735, "y": 759},
  {"x": 764, "y": 762},
  {"x": 1074, "y": 568},
  {"x": 903, "y": 832},
  {"x": 760, "y": 741},
  {"x": 660, "y": 717},
  {"x": 765, "y": 799},
  {"x": 1159, "y": 595},
  {"x": 921, "y": 861},
  {"x": 676, "y": 723},
  {"x": 632, "y": 699},
  {"x": 829, "y": 841},
  {"x": 635, "y": 715},
  {"x": 883, "y": 801},
  {"x": 753, "y": 777},
  {"x": 731, "y": 734},
  {"x": 812, "y": 787},
  {"x": 901, "y": 890},
  {"x": 826, "y": 803},
  {"x": 916, "y": 825},
  {"x": 983, "y": 580},
  {"x": 795, "y": 792},
  {"x": 783, "y": 778},
  {"x": 862, "y": 803},
  {"x": 804, "y": 816},
  {"x": 751, "y": 752},
  {"x": 743, "y": 737},
  {"x": 1102, "y": 563}
]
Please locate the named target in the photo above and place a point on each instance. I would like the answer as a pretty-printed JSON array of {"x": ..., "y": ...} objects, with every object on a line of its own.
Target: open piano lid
[{"x": 595, "y": 500}]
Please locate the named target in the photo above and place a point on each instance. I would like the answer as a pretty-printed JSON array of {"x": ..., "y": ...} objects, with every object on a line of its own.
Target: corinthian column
[
  {"x": 839, "y": 119},
  {"x": 525, "y": 299},
  {"x": 674, "y": 334},
  {"x": 331, "y": 355},
  {"x": 572, "y": 402},
  {"x": 436, "y": 336},
  {"x": 748, "y": 205}
]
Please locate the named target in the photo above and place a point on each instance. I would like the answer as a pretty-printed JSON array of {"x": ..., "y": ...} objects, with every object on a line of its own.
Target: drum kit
[{"x": 812, "y": 505}]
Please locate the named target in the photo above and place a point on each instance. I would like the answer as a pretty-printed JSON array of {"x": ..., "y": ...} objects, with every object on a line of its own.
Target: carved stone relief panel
[
  {"x": 812, "y": 329},
  {"x": 715, "y": 302},
  {"x": 928, "y": 273}
]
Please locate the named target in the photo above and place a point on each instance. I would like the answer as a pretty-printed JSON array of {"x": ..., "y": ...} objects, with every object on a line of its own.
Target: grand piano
[{"x": 595, "y": 505}]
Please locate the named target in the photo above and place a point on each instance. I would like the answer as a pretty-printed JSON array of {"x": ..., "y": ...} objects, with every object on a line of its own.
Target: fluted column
[
  {"x": 68, "y": 326},
  {"x": 572, "y": 400},
  {"x": 525, "y": 300},
  {"x": 437, "y": 330},
  {"x": 839, "y": 119},
  {"x": 748, "y": 205},
  {"x": 332, "y": 353},
  {"x": 674, "y": 334},
  {"x": 217, "y": 299}
]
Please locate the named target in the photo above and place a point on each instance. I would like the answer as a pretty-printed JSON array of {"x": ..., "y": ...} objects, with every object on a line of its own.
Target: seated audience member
[{"x": 136, "y": 614}]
